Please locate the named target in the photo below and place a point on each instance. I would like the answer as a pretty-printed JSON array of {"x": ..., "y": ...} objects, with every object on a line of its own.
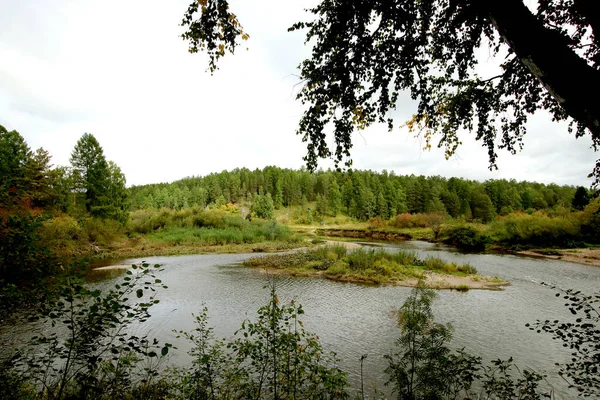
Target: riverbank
[
  {"x": 147, "y": 247},
  {"x": 587, "y": 256},
  {"x": 375, "y": 266}
]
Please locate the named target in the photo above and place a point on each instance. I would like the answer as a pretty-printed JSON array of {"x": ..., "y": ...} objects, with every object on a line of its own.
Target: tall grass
[
  {"x": 364, "y": 265},
  {"x": 205, "y": 227}
]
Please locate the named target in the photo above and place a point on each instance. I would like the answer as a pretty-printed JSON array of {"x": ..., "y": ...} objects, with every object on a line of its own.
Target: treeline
[
  {"x": 90, "y": 185},
  {"x": 362, "y": 194},
  {"x": 33, "y": 194}
]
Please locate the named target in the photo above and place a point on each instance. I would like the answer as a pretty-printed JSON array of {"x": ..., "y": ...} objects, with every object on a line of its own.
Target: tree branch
[{"x": 567, "y": 77}]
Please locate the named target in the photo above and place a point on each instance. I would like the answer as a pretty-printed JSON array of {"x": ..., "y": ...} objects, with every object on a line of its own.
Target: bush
[
  {"x": 537, "y": 230},
  {"x": 99, "y": 357},
  {"x": 376, "y": 222},
  {"x": 263, "y": 207},
  {"x": 62, "y": 233},
  {"x": 465, "y": 237},
  {"x": 101, "y": 231}
]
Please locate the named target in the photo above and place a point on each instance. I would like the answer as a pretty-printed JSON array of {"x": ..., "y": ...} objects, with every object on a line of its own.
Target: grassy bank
[
  {"x": 375, "y": 267},
  {"x": 165, "y": 232},
  {"x": 516, "y": 231}
]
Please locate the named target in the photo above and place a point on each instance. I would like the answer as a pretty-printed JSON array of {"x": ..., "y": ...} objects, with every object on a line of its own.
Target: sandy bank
[
  {"x": 580, "y": 256},
  {"x": 433, "y": 280}
]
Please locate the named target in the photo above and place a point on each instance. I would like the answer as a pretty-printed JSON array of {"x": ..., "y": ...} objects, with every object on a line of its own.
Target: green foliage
[
  {"x": 101, "y": 231},
  {"x": 281, "y": 359},
  {"x": 14, "y": 156},
  {"x": 358, "y": 194},
  {"x": 86, "y": 350},
  {"x": 63, "y": 234},
  {"x": 499, "y": 383},
  {"x": 362, "y": 265},
  {"x": 263, "y": 207},
  {"x": 424, "y": 367},
  {"x": 273, "y": 357},
  {"x": 209, "y": 227},
  {"x": 217, "y": 31},
  {"x": 580, "y": 199},
  {"x": 334, "y": 198},
  {"x": 40, "y": 181},
  {"x": 537, "y": 230},
  {"x": 102, "y": 182},
  {"x": 482, "y": 207},
  {"x": 21, "y": 254},
  {"x": 465, "y": 237},
  {"x": 590, "y": 222},
  {"x": 364, "y": 57},
  {"x": 207, "y": 376},
  {"x": 582, "y": 337}
]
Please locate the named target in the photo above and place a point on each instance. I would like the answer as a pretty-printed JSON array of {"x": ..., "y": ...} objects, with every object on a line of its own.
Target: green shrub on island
[{"x": 367, "y": 265}]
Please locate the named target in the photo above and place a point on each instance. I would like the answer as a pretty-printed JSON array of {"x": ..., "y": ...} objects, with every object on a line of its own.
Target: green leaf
[
  {"x": 139, "y": 293},
  {"x": 164, "y": 351}
]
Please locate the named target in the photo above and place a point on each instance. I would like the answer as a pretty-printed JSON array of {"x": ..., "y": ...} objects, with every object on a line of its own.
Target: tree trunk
[{"x": 568, "y": 78}]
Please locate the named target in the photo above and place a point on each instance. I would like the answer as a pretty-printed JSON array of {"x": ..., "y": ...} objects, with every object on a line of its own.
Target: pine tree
[
  {"x": 14, "y": 155},
  {"x": 102, "y": 182},
  {"x": 335, "y": 198}
]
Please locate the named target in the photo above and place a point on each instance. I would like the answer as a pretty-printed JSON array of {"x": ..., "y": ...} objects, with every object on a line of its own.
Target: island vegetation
[{"x": 376, "y": 266}]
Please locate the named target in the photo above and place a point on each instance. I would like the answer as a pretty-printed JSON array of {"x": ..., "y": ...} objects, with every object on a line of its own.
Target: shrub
[
  {"x": 404, "y": 257},
  {"x": 465, "y": 237},
  {"x": 537, "y": 230},
  {"x": 360, "y": 260},
  {"x": 101, "y": 231},
  {"x": 62, "y": 232},
  {"x": 338, "y": 268},
  {"x": 424, "y": 367},
  {"x": 376, "y": 222},
  {"x": 98, "y": 358}
]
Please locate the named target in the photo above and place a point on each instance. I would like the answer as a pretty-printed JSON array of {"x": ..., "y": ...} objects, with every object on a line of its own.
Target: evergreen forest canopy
[
  {"x": 364, "y": 54},
  {"x": 362, "y": 194}
]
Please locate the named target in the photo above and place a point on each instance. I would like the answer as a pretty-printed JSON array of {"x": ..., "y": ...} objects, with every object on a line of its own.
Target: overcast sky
[{"x": 119, "y": 70}]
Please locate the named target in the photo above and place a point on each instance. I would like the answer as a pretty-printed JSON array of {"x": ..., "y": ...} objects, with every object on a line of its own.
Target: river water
[{"x": 353, "y": 320}]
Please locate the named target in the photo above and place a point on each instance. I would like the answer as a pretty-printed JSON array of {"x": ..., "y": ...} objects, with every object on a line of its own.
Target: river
[{"x": 353, "y": 320}]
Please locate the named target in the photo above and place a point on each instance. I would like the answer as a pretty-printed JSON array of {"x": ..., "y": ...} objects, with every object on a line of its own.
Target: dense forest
[{"x": 363, "y": 194}]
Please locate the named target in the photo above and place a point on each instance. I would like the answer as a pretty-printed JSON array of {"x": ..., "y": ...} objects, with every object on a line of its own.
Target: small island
[{"x": 376, "y": 266}]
